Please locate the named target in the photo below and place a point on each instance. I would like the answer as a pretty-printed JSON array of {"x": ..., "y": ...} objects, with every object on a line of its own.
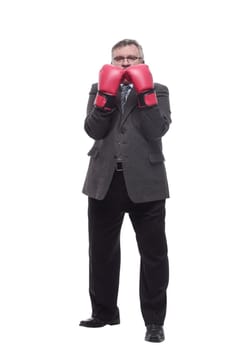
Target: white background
[{"x": 51, "y": 53}]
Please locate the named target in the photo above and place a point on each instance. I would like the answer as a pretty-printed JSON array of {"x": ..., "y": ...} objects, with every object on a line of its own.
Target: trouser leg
[
  {"x": 105, "y": 223},
  {"x": 148, "y": 220}
]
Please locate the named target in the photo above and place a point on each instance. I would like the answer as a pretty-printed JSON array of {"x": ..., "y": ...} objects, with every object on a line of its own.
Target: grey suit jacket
[{"x": 137, "y": 134}]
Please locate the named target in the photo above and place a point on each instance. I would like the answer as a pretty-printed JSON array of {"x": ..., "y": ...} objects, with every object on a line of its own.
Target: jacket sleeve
[
  {"x": 155, "y": 121},
  {"x": 97, "y": 123}
]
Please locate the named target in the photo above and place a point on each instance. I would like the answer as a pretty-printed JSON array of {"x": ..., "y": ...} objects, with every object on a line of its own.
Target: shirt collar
[{"x": 129, "y": 85}]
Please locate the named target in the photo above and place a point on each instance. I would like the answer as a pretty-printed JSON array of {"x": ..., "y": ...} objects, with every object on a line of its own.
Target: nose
[{"x": 125, "y": 63}]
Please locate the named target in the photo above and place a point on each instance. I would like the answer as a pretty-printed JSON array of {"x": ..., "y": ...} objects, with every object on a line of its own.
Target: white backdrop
[{"x": 51, "y": 53}]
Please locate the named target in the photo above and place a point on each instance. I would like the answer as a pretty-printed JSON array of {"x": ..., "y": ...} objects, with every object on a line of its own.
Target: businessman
[{"x": 127, "y": 116}]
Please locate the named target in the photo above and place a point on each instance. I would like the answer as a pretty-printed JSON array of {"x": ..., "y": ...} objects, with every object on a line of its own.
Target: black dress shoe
[
  {"x": 154, "y": 333},
  {"x": 95, "y": 322}
]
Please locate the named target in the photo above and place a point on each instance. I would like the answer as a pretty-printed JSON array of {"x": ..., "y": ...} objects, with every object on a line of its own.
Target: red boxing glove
[
  {"x": 141, "y": 77},
  {"x": 110, "y": 78}
]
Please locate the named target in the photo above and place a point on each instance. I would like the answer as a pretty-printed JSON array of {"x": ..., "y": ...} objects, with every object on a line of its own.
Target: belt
[{"x": 119, "y": 166}]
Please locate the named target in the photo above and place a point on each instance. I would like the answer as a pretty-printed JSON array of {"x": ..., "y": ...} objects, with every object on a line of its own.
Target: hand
[
  {"x": 110, "y": 78},
  {"x": 141, "y": 77}
]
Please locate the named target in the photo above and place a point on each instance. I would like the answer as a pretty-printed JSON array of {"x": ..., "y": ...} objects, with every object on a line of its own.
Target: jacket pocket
[
  {"x": 156, "y": 158},
  {"x": 93, "y": 152}
]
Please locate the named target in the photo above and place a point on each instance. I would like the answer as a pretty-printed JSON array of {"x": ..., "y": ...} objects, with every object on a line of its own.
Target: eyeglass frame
[{"x": 129, "y": 58}]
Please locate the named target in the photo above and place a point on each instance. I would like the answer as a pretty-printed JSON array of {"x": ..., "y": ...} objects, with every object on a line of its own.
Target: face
[{"x": 126, "y": 56}]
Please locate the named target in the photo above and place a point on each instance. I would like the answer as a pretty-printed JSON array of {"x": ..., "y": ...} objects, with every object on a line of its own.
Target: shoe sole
[
  {"x": 154, "y": 339},
  {"x": 113, "y": 323}
]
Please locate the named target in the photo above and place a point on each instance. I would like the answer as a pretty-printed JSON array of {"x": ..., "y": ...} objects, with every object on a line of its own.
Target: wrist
[
  {"x": 147, "y": 99},
  {"x": 104, "y": 101}
]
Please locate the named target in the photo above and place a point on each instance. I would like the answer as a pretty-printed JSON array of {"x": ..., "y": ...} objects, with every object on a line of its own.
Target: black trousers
[{"x": 105, "y": 221}]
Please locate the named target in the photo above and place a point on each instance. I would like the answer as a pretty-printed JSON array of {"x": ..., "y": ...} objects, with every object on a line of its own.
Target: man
[{"x": 126, "y": 174}]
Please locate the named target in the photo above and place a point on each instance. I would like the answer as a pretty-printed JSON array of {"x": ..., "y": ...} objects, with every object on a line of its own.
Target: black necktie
[{"x": 124, "y": 94}]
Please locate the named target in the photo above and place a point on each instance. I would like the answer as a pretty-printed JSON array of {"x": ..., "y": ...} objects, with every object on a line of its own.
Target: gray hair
[{"x": 126, "y": 42}]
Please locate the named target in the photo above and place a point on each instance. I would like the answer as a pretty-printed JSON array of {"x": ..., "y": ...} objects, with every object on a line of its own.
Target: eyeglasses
[{"x": 130, "y": 59}]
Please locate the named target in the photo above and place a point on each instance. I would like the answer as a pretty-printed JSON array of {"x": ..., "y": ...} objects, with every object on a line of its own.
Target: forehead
[{"x": 126, "y": 50}]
